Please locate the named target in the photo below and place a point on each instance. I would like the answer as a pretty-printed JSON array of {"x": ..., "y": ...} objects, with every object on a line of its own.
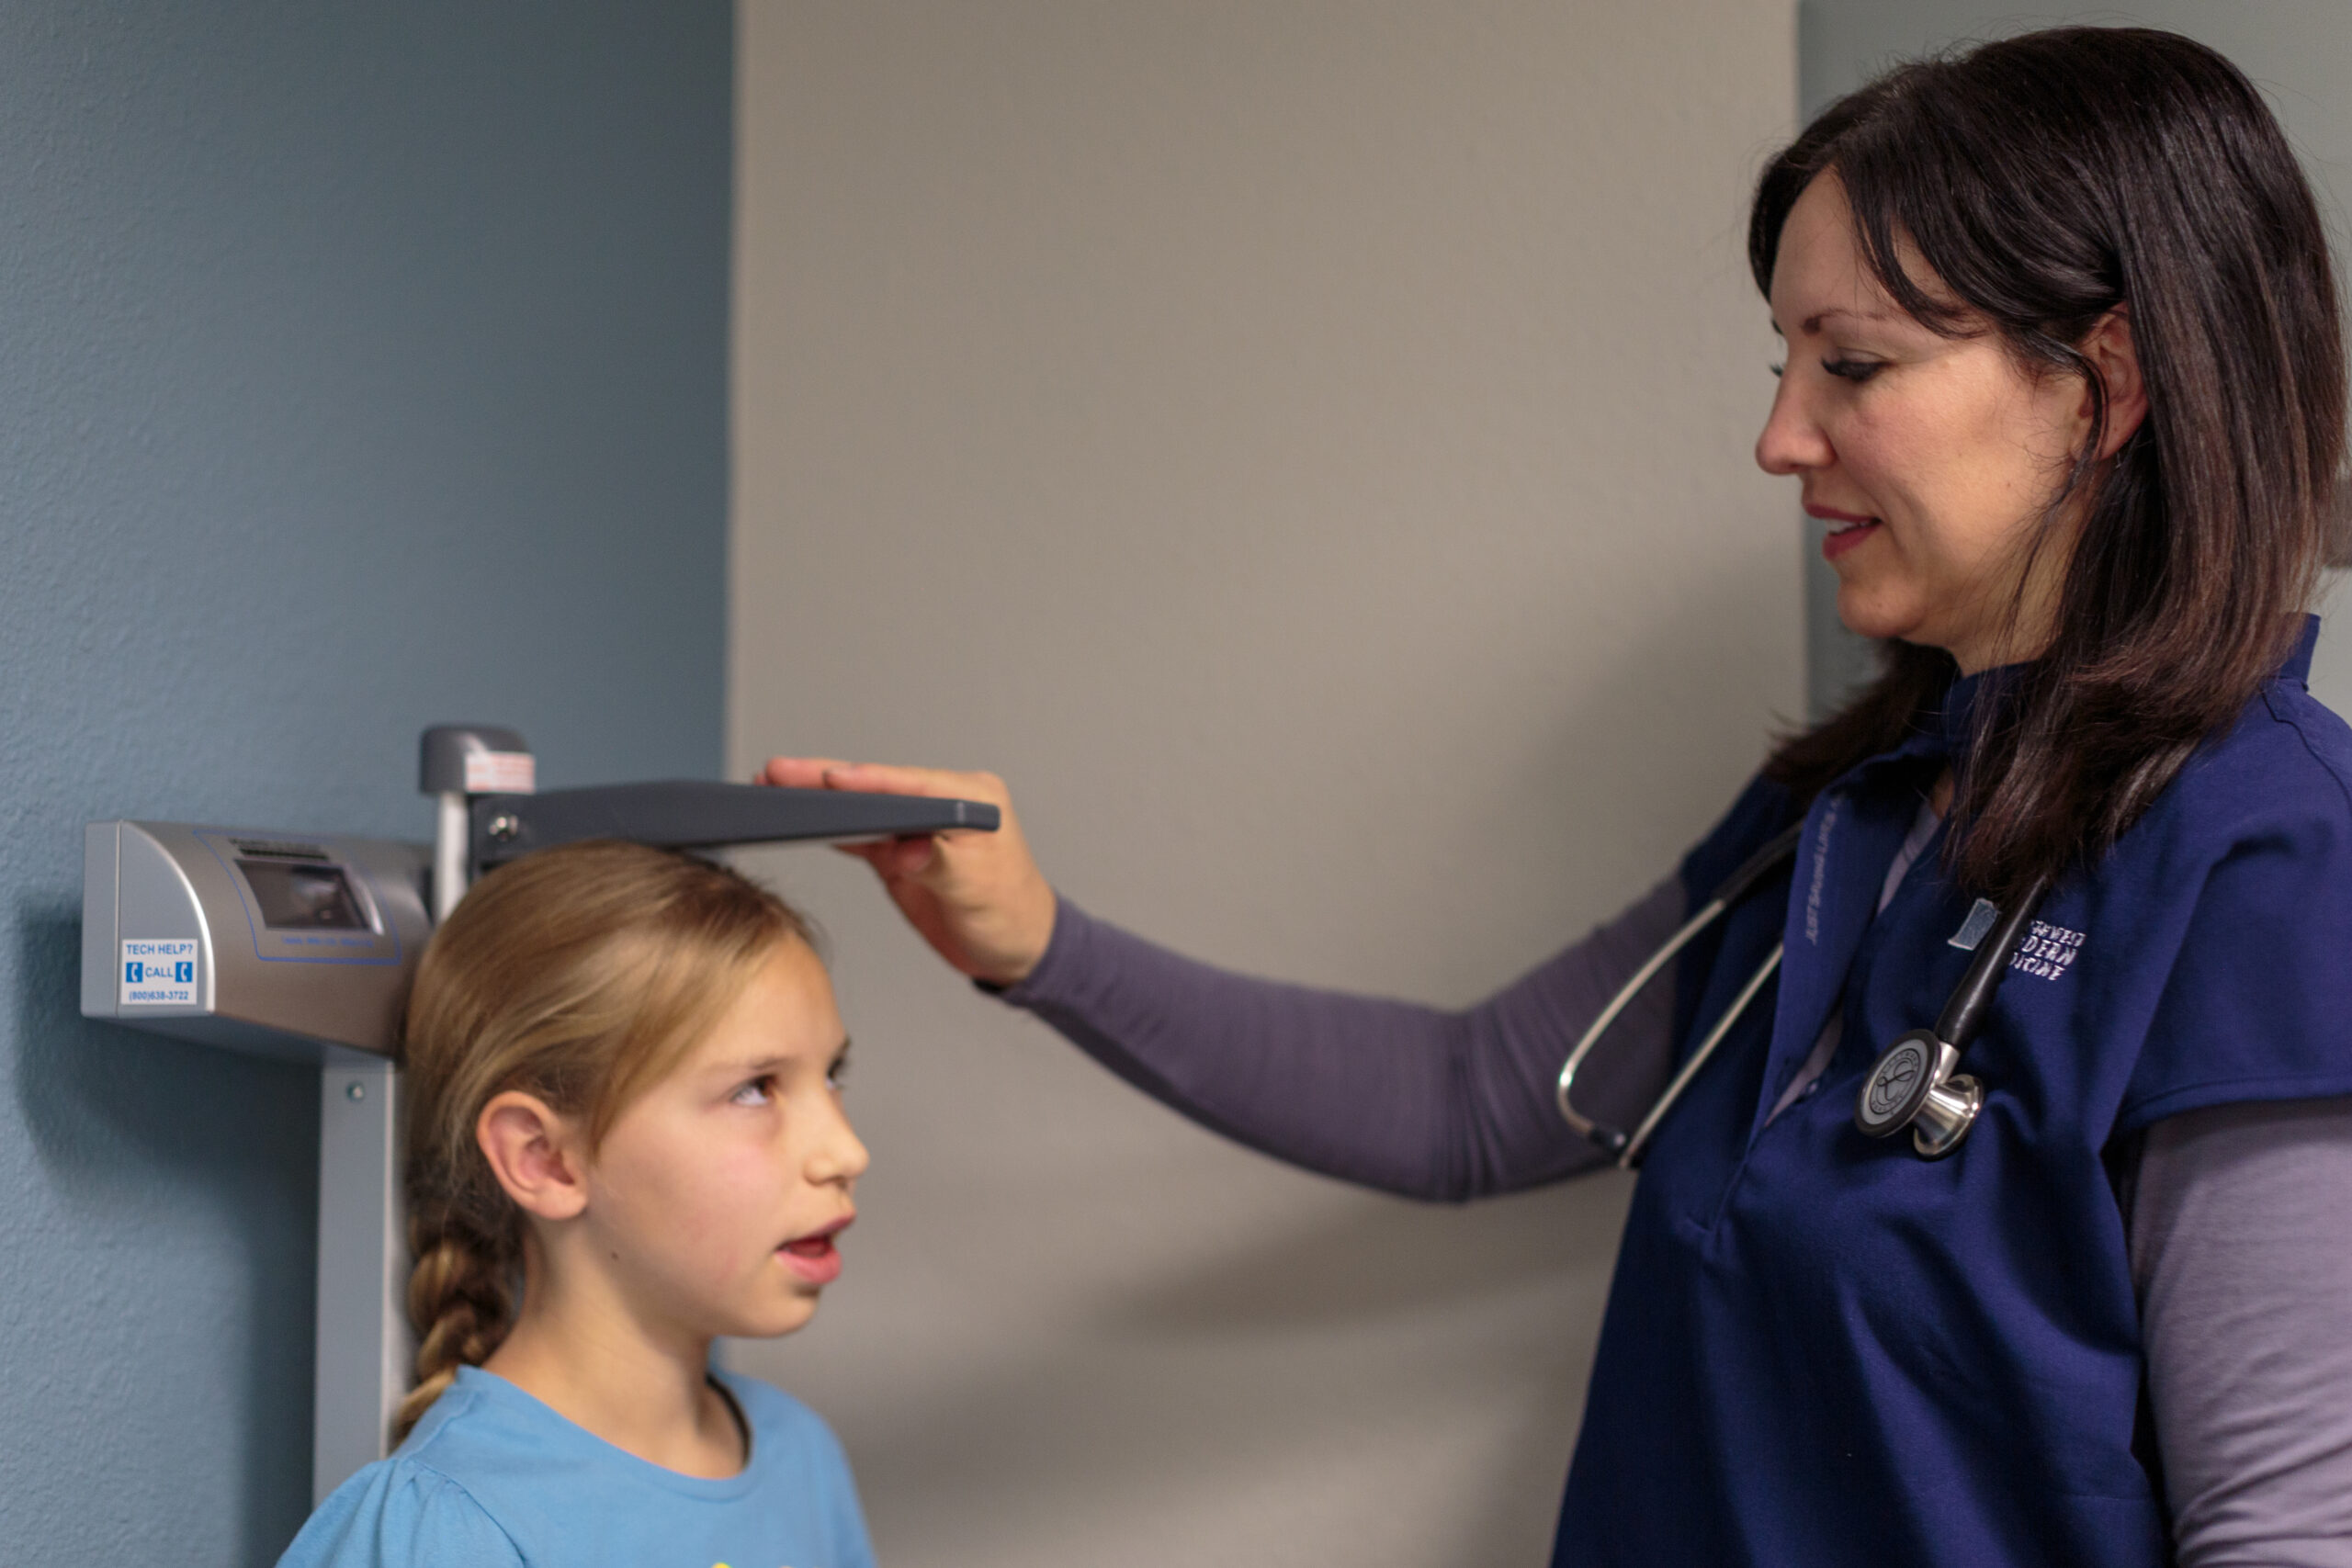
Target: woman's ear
[
  {"x": 2115, "y": 359},
  {"x": 536, "y": 1154}
]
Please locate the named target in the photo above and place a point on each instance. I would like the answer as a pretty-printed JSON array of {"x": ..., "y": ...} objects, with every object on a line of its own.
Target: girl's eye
[
  {"x": 1776, "y": 367},
  {"x": 837, "y": 1075},
  {"x": 756, "y": 1093},
  {"x": 1856, "y": 370}
]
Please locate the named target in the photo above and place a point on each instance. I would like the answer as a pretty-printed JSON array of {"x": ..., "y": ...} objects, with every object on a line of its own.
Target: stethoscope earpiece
[{"x": 1912, "y": 1085}]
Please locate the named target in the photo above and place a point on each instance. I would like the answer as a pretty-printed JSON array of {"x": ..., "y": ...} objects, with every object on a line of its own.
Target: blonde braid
[{"x": 460, "y": 1300}]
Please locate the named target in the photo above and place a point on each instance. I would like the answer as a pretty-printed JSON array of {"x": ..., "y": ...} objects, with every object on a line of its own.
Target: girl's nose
[
  {"x": 840, "y": 1154},
  {"x": 1792, "y": 441}
]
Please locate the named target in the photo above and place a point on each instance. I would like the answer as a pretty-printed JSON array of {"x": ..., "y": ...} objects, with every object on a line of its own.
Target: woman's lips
[
  {"x": 1844, "y": 537},
  {"x": 1846, "y": 529}
]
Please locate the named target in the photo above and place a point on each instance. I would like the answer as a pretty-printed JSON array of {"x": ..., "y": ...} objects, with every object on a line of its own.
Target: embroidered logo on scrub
[
  {"x": 2046, "y": 953},
  {"x": 2047, "y": 950},
  {"x": 1820, "y": 870}
]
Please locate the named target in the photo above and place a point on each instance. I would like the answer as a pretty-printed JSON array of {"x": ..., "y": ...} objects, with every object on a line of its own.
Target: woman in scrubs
[{"x": 2064, "y": 378}]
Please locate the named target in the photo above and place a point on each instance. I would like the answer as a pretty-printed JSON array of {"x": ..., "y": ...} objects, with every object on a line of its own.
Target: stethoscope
[{"x": 1913, "y": 1083}]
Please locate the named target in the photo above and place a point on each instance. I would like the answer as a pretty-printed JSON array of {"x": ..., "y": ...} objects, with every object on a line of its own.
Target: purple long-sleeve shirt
[{"x": 2241, "y": 1253}]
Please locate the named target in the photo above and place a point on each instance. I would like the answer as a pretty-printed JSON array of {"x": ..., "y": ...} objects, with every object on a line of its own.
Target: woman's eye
[
  {"x": 1776, "y": 367},
  {"x": 756, "y": 1093},
  {"x": 1853, "y": 369},
  {"x": 837, "y": 1075}
]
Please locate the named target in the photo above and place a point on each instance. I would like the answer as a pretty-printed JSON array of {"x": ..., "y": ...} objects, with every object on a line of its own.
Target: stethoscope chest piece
[
  {"x": 1913, "y": 1085},
  {"x": 1915, "y": 1082}
]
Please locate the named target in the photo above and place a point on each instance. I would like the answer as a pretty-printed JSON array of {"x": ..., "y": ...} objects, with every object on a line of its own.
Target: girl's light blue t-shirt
[{"x": 491, "y": 1476}]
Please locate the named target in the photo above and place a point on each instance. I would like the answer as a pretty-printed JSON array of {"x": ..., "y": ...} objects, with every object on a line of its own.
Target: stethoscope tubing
[
  {"x": 1627, "y": 1147},
  {"x": 1971, "y": 1002},
  {"x": 1942, "y": 1104},
  {"x": 1634, "y": 1145}
]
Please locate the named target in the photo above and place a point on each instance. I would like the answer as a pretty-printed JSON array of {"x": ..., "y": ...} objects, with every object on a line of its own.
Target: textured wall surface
[
  {"x": 2295, "y": 50},
  {"x": 364, "y": 366},
  {"x": 1305, "y": 446}
]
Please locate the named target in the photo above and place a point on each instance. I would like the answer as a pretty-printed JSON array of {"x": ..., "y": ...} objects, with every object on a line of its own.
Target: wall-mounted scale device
[{"x": 301, "y": 946}]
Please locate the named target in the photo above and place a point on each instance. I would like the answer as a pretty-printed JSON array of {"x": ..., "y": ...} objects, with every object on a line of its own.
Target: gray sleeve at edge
[{"x": 2241, "y": 1237}]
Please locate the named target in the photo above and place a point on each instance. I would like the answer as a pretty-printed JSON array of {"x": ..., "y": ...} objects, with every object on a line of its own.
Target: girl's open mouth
[
  {"x": 817, "y": 1259},
  {"x": 814, "y": 1257}
]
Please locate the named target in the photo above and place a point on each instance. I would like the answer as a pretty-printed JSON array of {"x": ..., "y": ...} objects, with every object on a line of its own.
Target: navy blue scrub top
[{"x": 1821, "y": 1348}]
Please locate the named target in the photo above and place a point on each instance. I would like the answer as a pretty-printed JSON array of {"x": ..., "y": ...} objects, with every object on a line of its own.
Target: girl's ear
[{"x": 534, "y": 1153}]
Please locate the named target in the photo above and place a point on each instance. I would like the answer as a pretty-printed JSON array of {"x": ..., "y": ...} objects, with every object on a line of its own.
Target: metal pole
[{"x": 363, "y": 1347}]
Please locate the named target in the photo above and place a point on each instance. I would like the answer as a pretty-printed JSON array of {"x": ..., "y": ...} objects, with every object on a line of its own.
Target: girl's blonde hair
[{"x": 580, "y": 975}]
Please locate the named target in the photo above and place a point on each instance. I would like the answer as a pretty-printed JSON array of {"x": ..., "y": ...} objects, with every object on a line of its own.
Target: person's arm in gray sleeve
[
  {"x": 2240, "y": 1223},
  {"x": 1408, "y": 1098}
]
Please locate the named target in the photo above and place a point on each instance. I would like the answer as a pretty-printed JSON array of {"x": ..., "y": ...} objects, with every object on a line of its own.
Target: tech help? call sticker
[{"x": 159, "y": 973}]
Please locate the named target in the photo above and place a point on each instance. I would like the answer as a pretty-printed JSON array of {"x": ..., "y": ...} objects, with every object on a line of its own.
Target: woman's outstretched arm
[
  {"x": 1408, "y": 1098},
  {"x": 1398, "y": 1096}
]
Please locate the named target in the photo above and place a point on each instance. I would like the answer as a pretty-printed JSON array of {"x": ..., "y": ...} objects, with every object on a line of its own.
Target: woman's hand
[{"x": 979, "y": 899}]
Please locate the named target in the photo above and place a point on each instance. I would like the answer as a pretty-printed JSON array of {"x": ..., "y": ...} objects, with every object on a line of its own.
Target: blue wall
[{"x": 360, "y": 367}]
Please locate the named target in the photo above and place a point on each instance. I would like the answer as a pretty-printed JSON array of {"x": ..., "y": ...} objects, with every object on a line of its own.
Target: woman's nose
[{"x": 1792, "y": 441}]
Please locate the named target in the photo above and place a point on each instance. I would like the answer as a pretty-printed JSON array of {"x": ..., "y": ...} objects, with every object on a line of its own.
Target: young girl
[{"x": 622, "y": 1096}]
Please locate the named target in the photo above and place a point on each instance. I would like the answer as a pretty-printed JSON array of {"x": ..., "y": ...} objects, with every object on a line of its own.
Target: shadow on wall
[{"x": 124, "y": 1120}]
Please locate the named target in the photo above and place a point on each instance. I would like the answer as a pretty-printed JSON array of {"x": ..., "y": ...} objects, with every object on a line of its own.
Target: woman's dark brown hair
[{"x": 2046, "y": 180}]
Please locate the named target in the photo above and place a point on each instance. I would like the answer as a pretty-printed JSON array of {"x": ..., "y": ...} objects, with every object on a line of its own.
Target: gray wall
[
  {"x": 365, "y": 366},
  {"x": 2299, "y": 51},
  {"x": 1305, "y": 445}
]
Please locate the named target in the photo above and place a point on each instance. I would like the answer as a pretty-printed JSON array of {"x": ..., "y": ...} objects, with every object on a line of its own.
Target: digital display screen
[{"x": 304, "y": 898}]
